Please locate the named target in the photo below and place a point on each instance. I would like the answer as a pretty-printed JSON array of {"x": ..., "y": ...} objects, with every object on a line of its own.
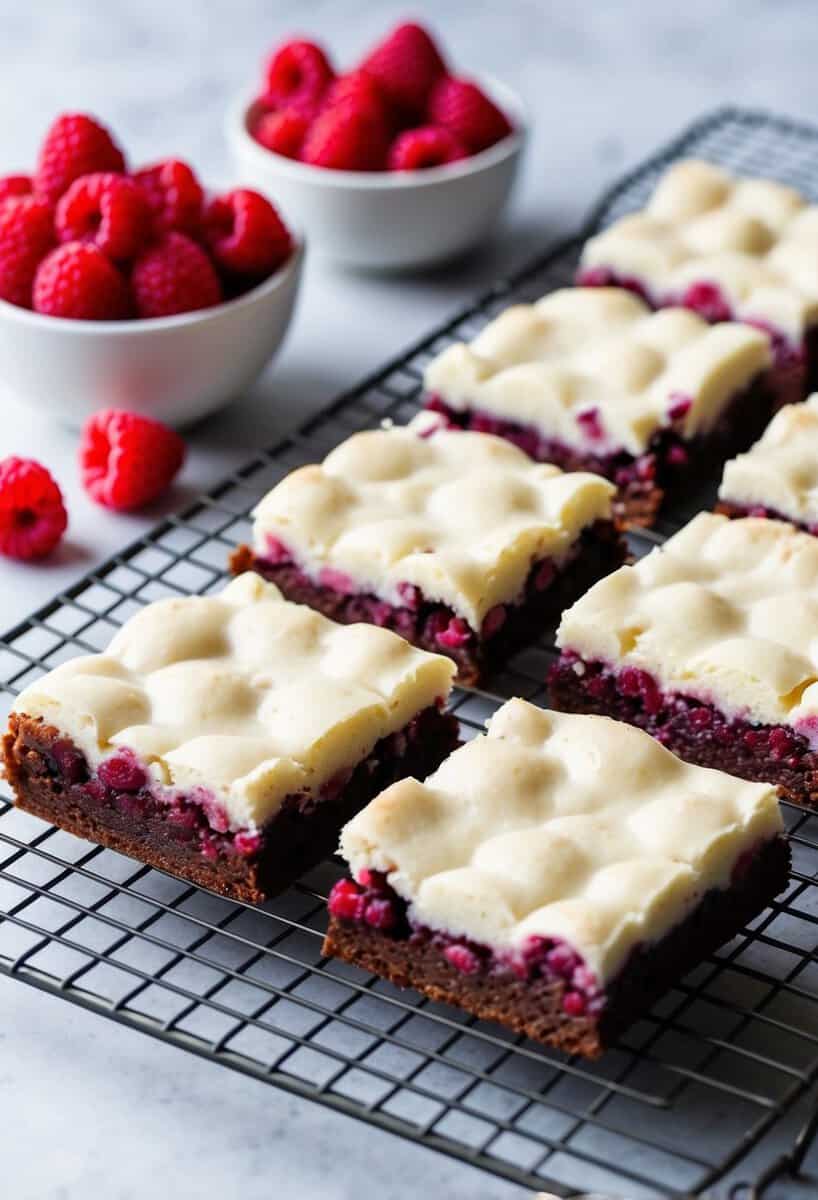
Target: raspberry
[
  {"x": 297, "y": 76},
  {"x": 406, "y": 65},
  {"x": 428, "y": 146},
  {"x": 282, "y": 132},
  {"x": 346, "y": 901},
  {"x": 75, "y": 145},
  {"x": 32, "y": 513},
  {"x": 108, "y": 211},
  {"x": 456, "y": 633},
  {"x": 466, "y": 111},
  {"x": 360, "y": 91},
  {"x": 26, "y": 236},
  {"x": 246, "y": 234},
  {"x": 346, "y": 138},
  {"x": 707, "y": 299},
  {"x": 174, "y": 275},
  {"x": 174, "y": 195},
  {"x": 77, "y": 280},
  {"x": 122, "y": 772},
  {"x": 127, "y": 460},
  {"x": 462, "y": 958},
  {"x": 14, "y": 185},
  {"x": 380, "y": 914}
]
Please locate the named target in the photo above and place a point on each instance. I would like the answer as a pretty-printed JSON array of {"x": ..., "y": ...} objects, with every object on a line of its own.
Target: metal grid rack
[{"x": 691, "y": 1090}]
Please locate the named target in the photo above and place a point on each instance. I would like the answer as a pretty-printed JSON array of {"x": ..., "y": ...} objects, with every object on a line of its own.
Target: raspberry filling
[
  {"x": 762, "y": 510},
  {"x": 371, "y": 901}
]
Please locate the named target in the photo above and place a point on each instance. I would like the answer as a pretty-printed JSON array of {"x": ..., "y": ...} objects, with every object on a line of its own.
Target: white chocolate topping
[
  {"x": 241, "y": 693},
  {"x": 781, "y": 470},
  {"x": 755, "y": 239},
  {"x": 726, "y": 611},
  {"x": 460, "y": 516},
  {"x": 599, "y": 350},
  {"x": 555, "y": 825}
]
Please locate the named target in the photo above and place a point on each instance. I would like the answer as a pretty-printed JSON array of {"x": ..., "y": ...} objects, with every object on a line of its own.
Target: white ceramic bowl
[
  {"x": 386, "y": 219},
  {"x": 176, "y": 369}
]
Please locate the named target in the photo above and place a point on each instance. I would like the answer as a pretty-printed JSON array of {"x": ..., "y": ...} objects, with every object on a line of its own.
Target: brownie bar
[
  {"x": 548, "y": 590},
  {"x": 535, "y": 1005},
  {"x": 175, "y": 833}
]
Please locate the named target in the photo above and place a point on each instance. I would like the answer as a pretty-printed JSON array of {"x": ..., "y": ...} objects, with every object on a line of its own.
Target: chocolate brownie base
[
  {"x": 600, "y": 550},
  {"x": 699, "y": 733},
  {"x": 534, "y": 1007},
  {"x": 302, "y": 832}
]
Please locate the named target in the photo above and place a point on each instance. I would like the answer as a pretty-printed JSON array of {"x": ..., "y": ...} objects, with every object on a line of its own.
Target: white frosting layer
[
  {"x": 757, "y": 240},
  {"x": 781, "y": 470},
  {"x": 582, "y": 350},
  {"x": 241, "y": 693},
  {"x": 565, "y": 826},
  {"x": 725, "y": 610},
  {"x": 461, "y": 516}
]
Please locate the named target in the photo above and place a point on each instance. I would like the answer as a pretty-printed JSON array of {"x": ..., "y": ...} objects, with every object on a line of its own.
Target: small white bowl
[
  {"x": 176, "y": 369},
  {"x": 386, "y": 219}
]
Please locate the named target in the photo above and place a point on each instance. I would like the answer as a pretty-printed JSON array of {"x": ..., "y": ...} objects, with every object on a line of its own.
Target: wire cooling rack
[{"x": 691, "y": 1089}]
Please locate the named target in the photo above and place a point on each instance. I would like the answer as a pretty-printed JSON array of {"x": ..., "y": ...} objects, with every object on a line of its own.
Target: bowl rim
[
  {"x": 238, "y": 134},
  {"x": 199, "y": 316}
]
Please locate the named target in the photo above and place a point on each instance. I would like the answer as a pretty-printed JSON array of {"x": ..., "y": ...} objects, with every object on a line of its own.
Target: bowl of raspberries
[
  {"x": 397, "y": 163},
  {"x": 132, "y": 286}
]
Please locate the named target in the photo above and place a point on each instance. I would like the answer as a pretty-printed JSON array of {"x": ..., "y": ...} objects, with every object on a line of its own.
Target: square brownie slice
[
  {"x": 227, "y": 738},
  {"x": 591, "y": 379},
  {"x": 710, "y": 643},
  {"x": 731, "y": 249},
  {"x": 556, "y": 875},
  {"x": 778, "y": 478},
  {"x": 460, "y": 544}
]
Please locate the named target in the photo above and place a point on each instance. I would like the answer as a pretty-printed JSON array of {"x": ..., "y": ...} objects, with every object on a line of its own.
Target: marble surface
[{"x": 95, "y": 1112}]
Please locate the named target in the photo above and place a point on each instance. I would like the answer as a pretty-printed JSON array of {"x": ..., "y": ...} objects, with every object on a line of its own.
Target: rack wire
[{"x": 692, "y": 1088}]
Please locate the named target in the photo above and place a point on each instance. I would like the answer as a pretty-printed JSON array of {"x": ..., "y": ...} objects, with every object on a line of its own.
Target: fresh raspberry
[
  {"x": 77, "y": 280},
  {"x": 428, "y": 146},
  {"x": 406, "y": 65},
  {"x": 297, "y": 76},
  {"x": 345, "y": 138},
  {"x": 282, "y": 132},
  {"x": 26, "y": 236},
  {"x": 246, "y": 234},
  {"x": 14, "y": 185},
  {"x": 32, "y": 513},
  {"x": 75, "y": 145},
  {"x": 174, "y": 275},
  {"x": 346, "y": 901},
  {"x": 466, "y": 111},
  {"x": 359, "y": 90},
  {"x": 174, "y": 194},
  {"x": 127, "y": 460},
  {"x": 107, "y": 211}
]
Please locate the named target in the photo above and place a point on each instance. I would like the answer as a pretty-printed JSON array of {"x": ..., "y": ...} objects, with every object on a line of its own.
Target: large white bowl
[
  {"x": 386, "y": 219},
  {"x": 176, "y": 369}
]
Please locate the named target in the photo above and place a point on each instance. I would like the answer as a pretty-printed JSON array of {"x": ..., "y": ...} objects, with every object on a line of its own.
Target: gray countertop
[{"x": 92, "y": 1111}]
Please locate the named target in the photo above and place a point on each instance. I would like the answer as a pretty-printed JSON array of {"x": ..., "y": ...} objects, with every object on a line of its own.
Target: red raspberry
[
  {"x": 107, "y": 211},
  {"x": 282, "y": 132},
  {"x": 429, "y": 146},
  {"x": 77, "y": 280},
  {"x": 360, "y": 91},
  {"x": 297, "y": 76},
  {"x": 406, "y": 64},
  {"x": 174, "y": 194},
  {"x": 246, "y": 234},
  {"x": 75, "y": 145},
  {"x": 466, "y": 111},
  {"x": 127, "y": 460},
  {"x": 174, "y": 275},
  {"x": 32, "y": 513},
  {"x": 14, "y": 185},
  {"x": 344, "y": 138},
  {"x": 26, "y": 236}
]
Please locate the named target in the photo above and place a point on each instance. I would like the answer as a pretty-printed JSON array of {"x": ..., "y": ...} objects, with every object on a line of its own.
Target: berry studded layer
[
  {"x": 729, "y": 248},
  {"x": 590, "y": 379},
  {"x": 779, "y": 476},
  {"x": 460, "y": 544},
  {"x": 221, "y": 717},
  {"x": 556, "y": 874},
  {"x": 723, "y": 618}
]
